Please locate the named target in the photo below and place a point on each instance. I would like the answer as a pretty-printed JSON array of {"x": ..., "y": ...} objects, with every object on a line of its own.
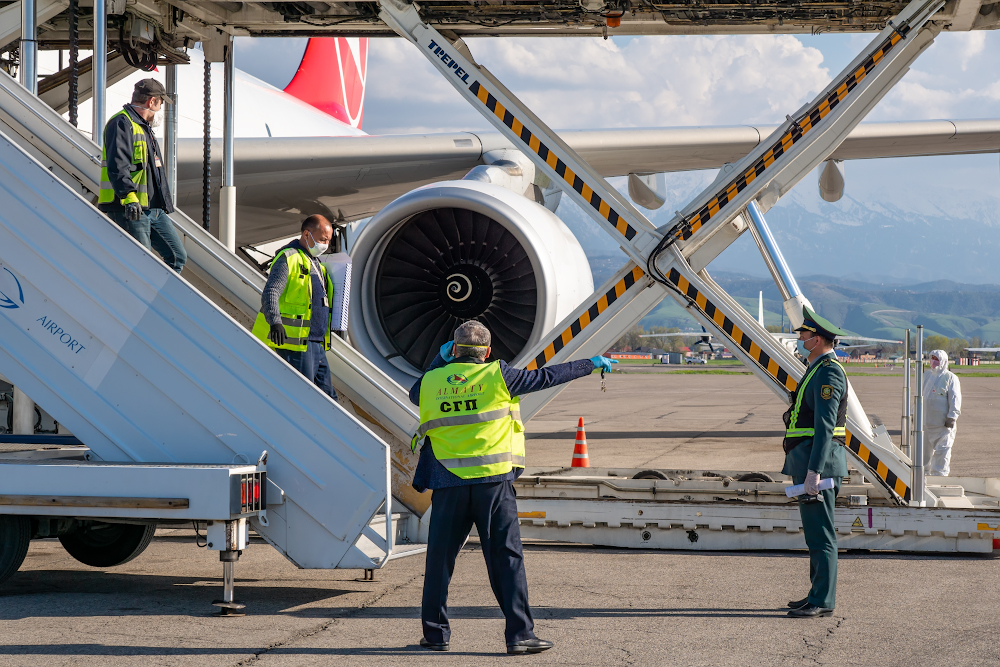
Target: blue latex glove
[
  {"x": 446, "y": 351},
  {"x": 601, "y": 362}
]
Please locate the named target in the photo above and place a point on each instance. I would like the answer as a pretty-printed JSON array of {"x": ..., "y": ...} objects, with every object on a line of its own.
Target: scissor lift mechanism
[{"x": 670, "y": 261}]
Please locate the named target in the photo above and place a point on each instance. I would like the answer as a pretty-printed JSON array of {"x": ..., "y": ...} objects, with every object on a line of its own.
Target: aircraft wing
[
  {"x": 349, "y": 178},
  {"x": 868, "y": 340},
  {"x": 688, "y": 334}
]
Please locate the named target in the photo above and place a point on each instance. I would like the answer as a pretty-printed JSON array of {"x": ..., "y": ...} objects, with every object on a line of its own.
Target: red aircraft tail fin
[{"x": 331, "y": 77}]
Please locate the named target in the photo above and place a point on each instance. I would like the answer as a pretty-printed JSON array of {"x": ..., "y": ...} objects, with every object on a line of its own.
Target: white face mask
[
  {"x": 318, "y": 248},
  {"x": 157, "y": 119}
]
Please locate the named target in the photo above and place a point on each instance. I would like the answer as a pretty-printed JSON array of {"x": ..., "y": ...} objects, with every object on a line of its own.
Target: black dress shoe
[
  {"x": 810, "y": 611},
  {"x": 535, "y": 645},
  {"x": 430, "y": 646},
  {"x": 798, "y": 604}
]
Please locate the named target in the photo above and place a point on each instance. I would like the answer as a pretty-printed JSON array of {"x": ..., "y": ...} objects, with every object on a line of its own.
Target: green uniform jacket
[{"x": 822, "y": 395}]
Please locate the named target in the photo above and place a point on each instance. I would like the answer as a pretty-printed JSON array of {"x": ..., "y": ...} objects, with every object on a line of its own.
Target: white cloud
[
  {"x": 975, "y": 43},
  {"x": 955, "y": 78},
  {"x": 593, "y": 83}
]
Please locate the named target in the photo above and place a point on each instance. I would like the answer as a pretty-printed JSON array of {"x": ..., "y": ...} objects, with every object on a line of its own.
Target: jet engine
[{"x": 455, "y": 251}]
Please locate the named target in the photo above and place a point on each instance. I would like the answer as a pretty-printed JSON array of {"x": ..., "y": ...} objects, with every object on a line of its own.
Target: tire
[
  {"x": 15, "y": 535},
  {"x": 649, "y": 474},
  {"x": 108, "y": 544},
  {"x": 755, "y": 477}
]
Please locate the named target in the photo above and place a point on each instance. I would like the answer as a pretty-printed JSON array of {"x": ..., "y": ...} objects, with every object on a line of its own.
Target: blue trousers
[
  {"x": 311, "y": 363},
  {"x": 493, "y": 509},
  {"x": 821, "y": 538},
  {"x": 154, "y": 230}
]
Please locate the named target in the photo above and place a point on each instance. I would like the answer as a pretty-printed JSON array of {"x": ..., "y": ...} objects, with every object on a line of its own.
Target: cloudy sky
[{"x": 672, "y": 81}]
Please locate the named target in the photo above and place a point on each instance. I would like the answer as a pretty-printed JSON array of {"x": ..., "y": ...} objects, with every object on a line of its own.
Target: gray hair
[{"x": 471, "y": 340}]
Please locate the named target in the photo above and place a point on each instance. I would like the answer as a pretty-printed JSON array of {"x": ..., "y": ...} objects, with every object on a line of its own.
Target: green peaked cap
[{"x": 811, "y": 321}]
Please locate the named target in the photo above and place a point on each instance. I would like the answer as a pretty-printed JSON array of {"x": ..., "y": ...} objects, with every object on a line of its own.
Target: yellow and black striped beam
[
  {"x": 588, "y": 316},
  {"x": 532, "y": 143},
  {"x": 872, "y": 461},
  {"x": 798, "y": 130},
  {"x": 743, "y": 340},
  {"x": 737, "y": 335}
]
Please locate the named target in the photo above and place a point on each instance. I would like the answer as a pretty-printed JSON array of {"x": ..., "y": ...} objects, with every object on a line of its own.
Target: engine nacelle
[{"x": 454, "y": 251}]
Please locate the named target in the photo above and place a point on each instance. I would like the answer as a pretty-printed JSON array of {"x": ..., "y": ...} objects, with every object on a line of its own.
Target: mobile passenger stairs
[{"x": 187, "y": 417}]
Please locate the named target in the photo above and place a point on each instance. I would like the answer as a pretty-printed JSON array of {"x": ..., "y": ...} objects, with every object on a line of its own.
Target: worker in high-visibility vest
[
  {"x": 295, "y": 306},
  {"x": 815, "y": 434},
  {"x": 134, "y": 189},
  {"x": 472, "y": 451}
]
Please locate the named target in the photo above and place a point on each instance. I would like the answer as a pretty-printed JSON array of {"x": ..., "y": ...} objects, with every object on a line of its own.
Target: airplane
[{"x": 302, "y": 150}]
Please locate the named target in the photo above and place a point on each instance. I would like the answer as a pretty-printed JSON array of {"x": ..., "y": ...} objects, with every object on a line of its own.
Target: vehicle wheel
[
  {"x": 15, "y": 535},
  {"x": 649, "y": 474},
  {"x": 108, "y": 544},
  {"x": 754, "y": 477}
]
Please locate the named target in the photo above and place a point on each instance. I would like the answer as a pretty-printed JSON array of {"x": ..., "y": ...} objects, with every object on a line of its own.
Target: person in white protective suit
[{"x": 942, "y": 406}]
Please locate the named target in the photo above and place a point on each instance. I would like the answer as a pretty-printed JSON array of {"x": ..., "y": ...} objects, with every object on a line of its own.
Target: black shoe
[
  {"x": 535, "y": 645},
  {"x": 810, "y": 611},
  {"x": 798, "y": 604},
  {"x": 433, "y": 647}
]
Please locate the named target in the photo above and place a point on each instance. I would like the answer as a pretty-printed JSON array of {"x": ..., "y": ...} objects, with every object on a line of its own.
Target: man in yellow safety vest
[
  {"x": 472, "y": 450},
  {"x": 815, "y": 430},
  {"x": 295, "y": 314},
  {"x": 134, "y": 190}
]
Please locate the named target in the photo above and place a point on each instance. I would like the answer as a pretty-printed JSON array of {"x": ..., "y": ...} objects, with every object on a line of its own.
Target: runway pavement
[{"x": 600, "y": 606}]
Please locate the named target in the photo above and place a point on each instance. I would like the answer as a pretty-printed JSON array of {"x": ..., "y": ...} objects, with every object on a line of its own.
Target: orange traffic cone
[{"x": 581, "y": 459}]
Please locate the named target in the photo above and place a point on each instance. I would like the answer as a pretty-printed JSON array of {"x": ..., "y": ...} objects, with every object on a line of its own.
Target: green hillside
[{"x": 944, "y": 309}]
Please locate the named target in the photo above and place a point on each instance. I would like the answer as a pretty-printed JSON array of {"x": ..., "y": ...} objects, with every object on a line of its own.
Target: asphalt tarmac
[{"x": 599, "y": 606}]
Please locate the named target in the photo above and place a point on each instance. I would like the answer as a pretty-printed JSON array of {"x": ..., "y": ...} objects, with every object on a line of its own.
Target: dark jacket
[
  {"x": 823, "y": 395},
  {"x": 431, "y": 474},
  {"x": 118, "y": 147}
]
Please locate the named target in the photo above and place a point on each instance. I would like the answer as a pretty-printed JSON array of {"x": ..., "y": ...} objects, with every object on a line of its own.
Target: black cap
[
  {"x": 811, "y": 321},
  {"x": 153, "y": 88}
]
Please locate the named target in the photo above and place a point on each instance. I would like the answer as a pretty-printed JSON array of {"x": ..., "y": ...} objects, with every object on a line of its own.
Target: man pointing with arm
[{"x": 472, "y": 451}]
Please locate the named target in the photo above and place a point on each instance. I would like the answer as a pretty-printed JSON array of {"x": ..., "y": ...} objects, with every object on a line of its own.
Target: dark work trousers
[
  {"x": 493, "y": 508},
  {"x": 821, "y": 538},
  {"x": 311, "y": 363},
  {"x": 156, "y": 231}
]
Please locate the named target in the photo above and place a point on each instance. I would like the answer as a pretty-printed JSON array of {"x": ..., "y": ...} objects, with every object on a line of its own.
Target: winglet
[{"x": 332, "y": 76}]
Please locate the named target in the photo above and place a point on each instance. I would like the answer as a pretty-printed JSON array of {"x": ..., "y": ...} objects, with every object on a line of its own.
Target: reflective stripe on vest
[
  {"x": 296, "y": 298},
  {"x": 140, "y": 175},
  {"x": 478, "y": 418},
  {"x": 517, "y": 461},
  {"x": 473, "y": 423},
  {"x": 793, "y": 431}
]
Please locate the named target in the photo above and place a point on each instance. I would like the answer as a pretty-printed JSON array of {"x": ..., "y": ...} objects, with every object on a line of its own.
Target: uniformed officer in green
[{"x": 814, "y": 450}]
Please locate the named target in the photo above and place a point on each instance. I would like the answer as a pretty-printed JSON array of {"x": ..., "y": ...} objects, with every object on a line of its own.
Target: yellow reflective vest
[
  {"x": 295, "y": 303},
  {"x": 794, "y": 430},
  {"x": 473, "y": 422},
  {"x": 139, "y": 175}
]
